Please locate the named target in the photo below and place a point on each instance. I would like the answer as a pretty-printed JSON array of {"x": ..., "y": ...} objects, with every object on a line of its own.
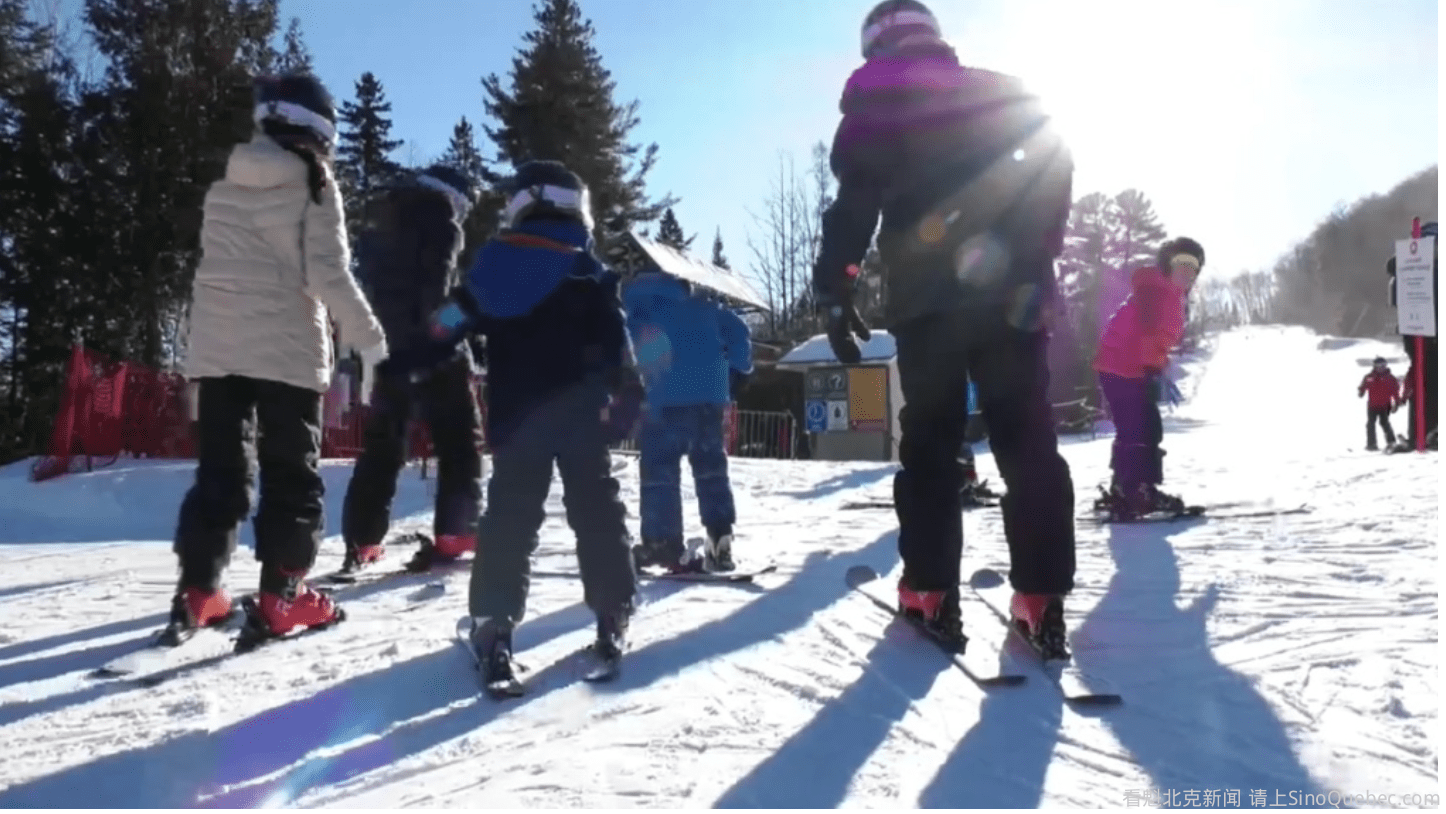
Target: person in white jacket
[{"x": 274, "y": 274}]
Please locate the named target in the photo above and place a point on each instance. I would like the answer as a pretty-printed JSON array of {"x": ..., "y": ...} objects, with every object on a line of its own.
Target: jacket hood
[
  {"x": 655, "y": 285},
  {"x": 263, "y": 163}
]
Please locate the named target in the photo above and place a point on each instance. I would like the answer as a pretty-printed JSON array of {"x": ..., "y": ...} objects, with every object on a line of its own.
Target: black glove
[
  {"x": 844, "y": 323},
  {"x": 737, "y": 380},
  {"x": 624, "y": 408}
]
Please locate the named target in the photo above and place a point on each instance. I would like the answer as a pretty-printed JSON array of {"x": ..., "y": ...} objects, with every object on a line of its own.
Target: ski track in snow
[{"x": 1290, "y": 653}]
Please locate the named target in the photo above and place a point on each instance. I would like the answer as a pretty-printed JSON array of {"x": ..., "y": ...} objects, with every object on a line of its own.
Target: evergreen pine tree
[
  {"x": 294, "y": 57},
  {"x": 462, "y": 153},
  {"x": 364, "y": 147},
  {"x": 559, "y": 105},
  {"x": 175, "y": 102},
  {"x": 719, "y": 259},
  {"x": 670, "y": 232}
]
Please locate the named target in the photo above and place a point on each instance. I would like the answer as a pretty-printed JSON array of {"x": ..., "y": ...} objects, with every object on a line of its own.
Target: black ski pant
[
  {"x": 937, "y": 355},
  {"x": 445, "y": 401},
  {"x": 1381, "y": 415},
  {"x": 244, "y": 422},
  {"x": 569, "y": 431}
]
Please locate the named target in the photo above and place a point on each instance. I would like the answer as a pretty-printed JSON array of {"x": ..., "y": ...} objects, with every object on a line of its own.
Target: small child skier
[
  {"x": 407, "y": 264},
  {"x": 1382, "y": 392},
  {"x": 678, "y": 333},
  {"x": 1133, "y": 353},
  {"x": 274, "y": 269},
  {"x": 561, "y": 387}
]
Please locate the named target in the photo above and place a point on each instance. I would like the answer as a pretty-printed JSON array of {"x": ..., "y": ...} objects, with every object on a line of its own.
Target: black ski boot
[
  {"x": 1161, "y": 502},
  {"x": 718, "y": 555},
  {"x": 612, "y": 640},
  {"x": 492, "y": 644},
  {"x": 670, "y": 555}
]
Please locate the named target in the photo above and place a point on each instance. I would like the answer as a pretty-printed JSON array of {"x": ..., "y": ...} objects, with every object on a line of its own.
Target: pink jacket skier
[{"x": 1133, "y": 352}]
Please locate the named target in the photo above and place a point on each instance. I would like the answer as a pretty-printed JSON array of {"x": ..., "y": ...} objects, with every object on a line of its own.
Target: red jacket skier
[{"x": 1382, "y": 392}]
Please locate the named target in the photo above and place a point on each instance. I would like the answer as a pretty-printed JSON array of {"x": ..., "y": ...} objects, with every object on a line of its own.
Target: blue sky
[{"x": 1245, "y": 121}]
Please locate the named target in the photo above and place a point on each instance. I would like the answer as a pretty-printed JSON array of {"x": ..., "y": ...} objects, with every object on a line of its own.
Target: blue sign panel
[{"x": 815, "y": 415}]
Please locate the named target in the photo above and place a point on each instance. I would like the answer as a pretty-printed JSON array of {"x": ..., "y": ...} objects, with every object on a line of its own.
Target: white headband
[
  {"x": 899, "y": 18},
  {"x": 293, "y": 113},
  {"x": 460, "y": 204}
]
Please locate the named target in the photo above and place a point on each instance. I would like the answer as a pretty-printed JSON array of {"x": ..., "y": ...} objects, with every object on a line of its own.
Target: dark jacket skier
[
  {"x": 969, "y": 185},
  {"x": 561, "y": 387},
  {"x": 408, "y": 254}
]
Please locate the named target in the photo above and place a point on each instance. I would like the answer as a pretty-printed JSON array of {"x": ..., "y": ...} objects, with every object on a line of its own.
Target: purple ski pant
[{"x": 1135, "y": 457}]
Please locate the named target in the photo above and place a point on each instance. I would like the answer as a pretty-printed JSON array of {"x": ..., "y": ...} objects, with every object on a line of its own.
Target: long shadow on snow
[
  {"x": 1000, "y": 763},
  {"x": 16, "y": 590},
  {"x": 1003, "y": 758},
  {"x": 846, "y": 480},
  {"x": 818, "y": 584},
  {"x": 92, "y": 657},
  {"x": 1189, "y": 721},
  {"x": 178, "y": 773},
  {"x": 814, "y": 768},
  {"x": 25, "y": 648}
]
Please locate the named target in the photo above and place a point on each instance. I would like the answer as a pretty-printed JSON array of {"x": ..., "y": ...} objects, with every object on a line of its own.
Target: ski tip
[
  {"x": 1003, "y": 680},
  {"x": 1101, "y": 699},
  {"x": 859, "y": 575},
  {"x": 504, "y": 690},
  {"x": 986, "y": 578}
]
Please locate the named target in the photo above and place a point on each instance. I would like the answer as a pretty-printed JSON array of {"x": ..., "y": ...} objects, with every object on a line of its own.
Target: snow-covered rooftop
[{"x": 815, "y": 351}]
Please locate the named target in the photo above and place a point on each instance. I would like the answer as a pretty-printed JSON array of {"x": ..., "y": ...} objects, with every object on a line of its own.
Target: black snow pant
[
  {"x": 447, "y": 405},
  {"x": 937, "y": 355},
  {"x": 1380, "y": 415},
  {"x": 567, "y": 430},
  {"x": 244, "y": 422}
]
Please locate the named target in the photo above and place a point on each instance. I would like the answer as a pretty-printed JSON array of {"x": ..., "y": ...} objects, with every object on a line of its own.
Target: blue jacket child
[
  {"x": 561, "y": 387},
  {"x": 691, "y": 352}
]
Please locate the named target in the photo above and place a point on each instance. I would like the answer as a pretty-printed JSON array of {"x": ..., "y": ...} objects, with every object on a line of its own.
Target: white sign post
[{"x": 1415, "y": 290}]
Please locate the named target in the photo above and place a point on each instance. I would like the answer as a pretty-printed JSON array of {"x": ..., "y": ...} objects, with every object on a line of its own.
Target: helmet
[
  {"x": 299, "y": 100},
  {"x": 1179, "y": 246},
  {"x": 892, "y": 20},
  {"x": 1379, "y": 361},
  {"x": 546, "y": 189},
  {"x": 453, "y": 183}
]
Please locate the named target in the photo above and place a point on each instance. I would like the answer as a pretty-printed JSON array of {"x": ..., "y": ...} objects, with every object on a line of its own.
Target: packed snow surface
[{"x": 1266, "y": 658}]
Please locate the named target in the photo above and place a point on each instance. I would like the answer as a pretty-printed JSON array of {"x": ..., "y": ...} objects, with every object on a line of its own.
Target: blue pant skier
[
  {"x": 668, "y": 434},
  {"x": 692, "y": 352}
]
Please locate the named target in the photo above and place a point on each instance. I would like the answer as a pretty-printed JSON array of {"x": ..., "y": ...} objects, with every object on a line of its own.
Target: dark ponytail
[{"x": 304, "y": 144}]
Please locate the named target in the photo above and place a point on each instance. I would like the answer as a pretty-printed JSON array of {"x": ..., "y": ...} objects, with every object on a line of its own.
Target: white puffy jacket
[{"x": 274, "y": 266}]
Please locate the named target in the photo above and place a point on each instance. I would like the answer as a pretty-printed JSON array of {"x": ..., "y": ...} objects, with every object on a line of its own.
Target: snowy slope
[{"x": 1294, "y": 653}]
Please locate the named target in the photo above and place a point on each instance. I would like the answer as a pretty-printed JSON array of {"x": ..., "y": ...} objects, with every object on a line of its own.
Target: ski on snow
[
  {"x": 371, "y": 572},
  {"x": 602, "y": 670},
  {"x": 736, "y": 576},
  {"x": 163, "y": 656},
  {"x": 1199, "y": 512},
  {"x": 993, "y": 589},
  {"x": 862, "y": 578},
  {"x": 159, "y": 661}
]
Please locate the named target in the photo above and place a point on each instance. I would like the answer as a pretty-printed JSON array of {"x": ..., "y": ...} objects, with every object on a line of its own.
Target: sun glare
[{"x": 1105, "y": 68}]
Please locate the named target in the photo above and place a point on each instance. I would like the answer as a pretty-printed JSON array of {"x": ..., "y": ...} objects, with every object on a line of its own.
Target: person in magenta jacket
[{"x": 1132, "y": 355}]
